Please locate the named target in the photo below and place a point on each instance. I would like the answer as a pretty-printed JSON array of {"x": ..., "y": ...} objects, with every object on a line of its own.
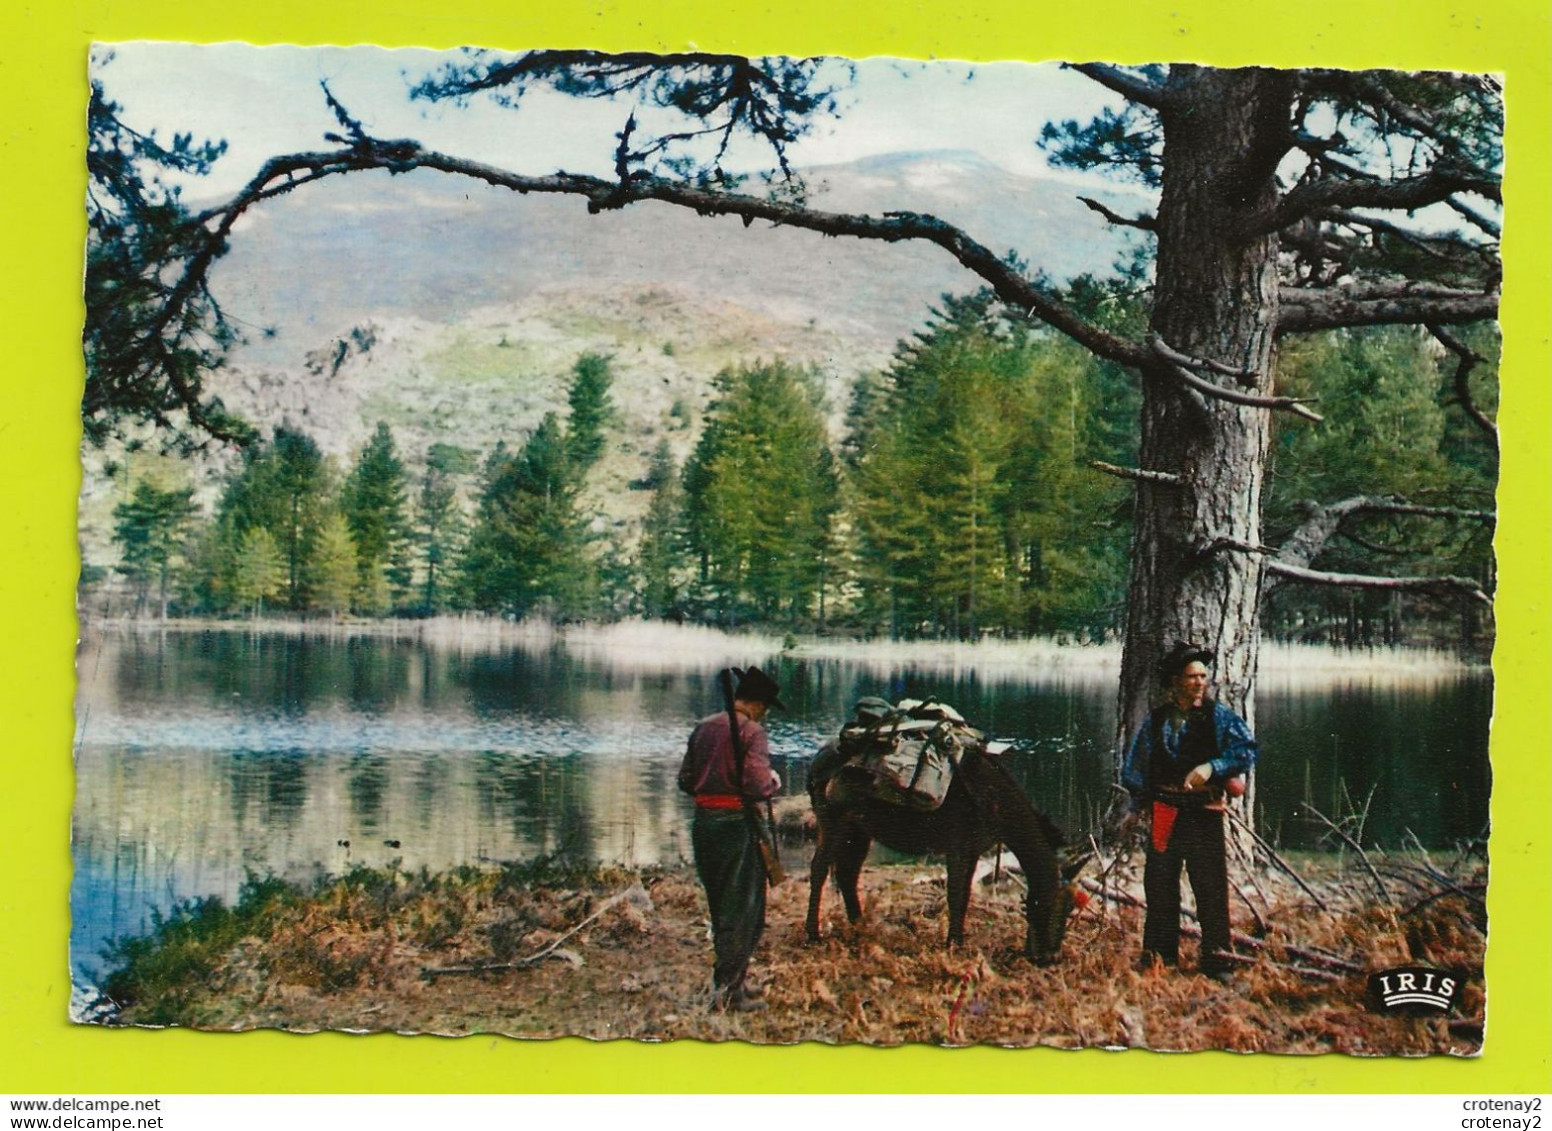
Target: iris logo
[{"x": 1416, "y": 988}]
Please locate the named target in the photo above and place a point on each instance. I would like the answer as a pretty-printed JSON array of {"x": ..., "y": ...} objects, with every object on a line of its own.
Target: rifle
[{"x": 773, "y": 869}]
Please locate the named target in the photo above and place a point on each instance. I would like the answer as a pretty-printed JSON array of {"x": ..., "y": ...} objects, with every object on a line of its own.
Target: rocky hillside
[
  {"x": 493, "y": 374},
  {"x": 312, "y": 264}
]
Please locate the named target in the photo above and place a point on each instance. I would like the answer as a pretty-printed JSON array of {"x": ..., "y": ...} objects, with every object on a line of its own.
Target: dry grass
[{"x": 363, "y": 953}]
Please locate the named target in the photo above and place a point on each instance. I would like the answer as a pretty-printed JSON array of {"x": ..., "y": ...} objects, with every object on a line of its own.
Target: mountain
[
  {"x": 454, "y": 311},
  {"x": 317, "y": 262}
]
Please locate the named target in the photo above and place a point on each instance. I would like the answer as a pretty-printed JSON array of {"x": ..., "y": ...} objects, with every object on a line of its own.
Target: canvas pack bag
[{"x": 905, "y": 753}]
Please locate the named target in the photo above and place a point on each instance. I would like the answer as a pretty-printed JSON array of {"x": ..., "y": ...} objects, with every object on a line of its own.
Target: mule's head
[{"x": 1048, "y": 917}]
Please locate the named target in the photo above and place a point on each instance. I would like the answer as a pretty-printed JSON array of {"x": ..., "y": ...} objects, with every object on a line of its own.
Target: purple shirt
[{"x": 708, "y": 766}]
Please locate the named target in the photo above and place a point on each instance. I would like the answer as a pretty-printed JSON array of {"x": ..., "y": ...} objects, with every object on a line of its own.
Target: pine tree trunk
[{"x": 1216, "y": 298}]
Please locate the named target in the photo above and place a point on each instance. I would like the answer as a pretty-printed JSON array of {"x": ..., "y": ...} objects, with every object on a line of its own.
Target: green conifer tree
[
  {"x": 151, "y": 528},
  {"x": 337, "y": 580},
  {"x": 762, "y": 494},
  {"x": 375, "y": 502},
  {"x": 526, "y": 552},
  {"x": 283, "y": 486},
  {"x": 592, "y": 410},
  {"x": 439, "y": 522},
  {"x": 660, "y": 558},
  {"x": 1411, "y": 474},
  {"x": 259, "y": 570},
  {"x": 973, "y": 504}
]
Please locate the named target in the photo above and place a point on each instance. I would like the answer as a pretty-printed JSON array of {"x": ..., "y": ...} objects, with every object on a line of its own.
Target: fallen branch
[
  {"x": 634, "y": 894},
  {"x": 1474, "y": 894},
  {"x": 1281, "y": 864},
  {"x": 1261, "y": 960},
  {"x": 1243, "y": 853},
  {"x": 1467, "y": 1030},
  {"x": 1479, "y": 901},
  {"x": 1363, "y": 856},
  {"x": 570, "y": 956},
  {"x": 1192, "y": 931},
  {"x": 1255, "y": 911}
]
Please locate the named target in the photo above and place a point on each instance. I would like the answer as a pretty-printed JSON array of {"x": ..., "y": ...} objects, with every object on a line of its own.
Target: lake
[{"x": 204, "y": 755}]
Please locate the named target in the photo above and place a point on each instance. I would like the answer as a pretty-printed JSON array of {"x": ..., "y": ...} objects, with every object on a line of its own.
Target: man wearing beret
[
  {"x": 727, "y": 855},
  {"x": 1189, "y": 752}
]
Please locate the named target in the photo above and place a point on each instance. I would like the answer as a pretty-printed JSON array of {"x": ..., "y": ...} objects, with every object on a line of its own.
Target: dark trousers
[
  {"x": 733, "y": 874},
  {"x": 1197, "y": 841}
]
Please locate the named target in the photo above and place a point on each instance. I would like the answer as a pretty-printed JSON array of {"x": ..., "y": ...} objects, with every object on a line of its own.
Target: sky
[{"x": 267, "y": 100}]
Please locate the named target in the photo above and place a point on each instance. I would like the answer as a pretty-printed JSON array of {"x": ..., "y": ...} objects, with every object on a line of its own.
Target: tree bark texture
[{"x": 1216, "y": 299}]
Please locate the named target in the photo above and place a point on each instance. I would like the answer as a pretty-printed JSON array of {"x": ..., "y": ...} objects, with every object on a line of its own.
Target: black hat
[
  {"x": 1183, "y": 653},
  {"x": 754, "y": 686}
]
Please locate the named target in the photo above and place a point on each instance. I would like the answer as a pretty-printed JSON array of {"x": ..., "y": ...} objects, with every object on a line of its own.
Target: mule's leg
[
  {"x": 849, "y": 856},
  {"x": 818, "y": 872},
  {"x": 961, "y": 869}
]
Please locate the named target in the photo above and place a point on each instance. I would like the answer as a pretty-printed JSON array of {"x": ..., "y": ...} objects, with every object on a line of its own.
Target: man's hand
[{"x": 1199, "y": 777}]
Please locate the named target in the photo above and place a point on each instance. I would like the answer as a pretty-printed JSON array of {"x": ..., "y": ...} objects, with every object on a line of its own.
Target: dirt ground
[{"x": 618, "y": 954}]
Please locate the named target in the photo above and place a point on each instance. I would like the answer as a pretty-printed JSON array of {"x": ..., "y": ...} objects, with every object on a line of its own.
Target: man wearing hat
[
  {"x": 1189, "y": 752},
  {"x": 727, "y": 855}
]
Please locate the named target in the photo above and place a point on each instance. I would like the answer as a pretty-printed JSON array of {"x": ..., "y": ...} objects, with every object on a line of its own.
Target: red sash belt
[
  {"x": 1163, "y": 824},
  {"x": 1164, "y": 815},
  {"x": 718, "y": 801}
]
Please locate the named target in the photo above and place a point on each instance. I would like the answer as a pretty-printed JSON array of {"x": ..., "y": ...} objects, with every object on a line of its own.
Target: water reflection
[{"x": 205, "y": 755}]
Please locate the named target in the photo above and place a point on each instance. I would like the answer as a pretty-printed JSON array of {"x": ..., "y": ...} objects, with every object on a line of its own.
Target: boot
[{"x": 737, "y": 999}]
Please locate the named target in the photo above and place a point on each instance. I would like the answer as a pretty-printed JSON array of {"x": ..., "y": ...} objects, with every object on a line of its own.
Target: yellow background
[{"x": 42, "y": 79}]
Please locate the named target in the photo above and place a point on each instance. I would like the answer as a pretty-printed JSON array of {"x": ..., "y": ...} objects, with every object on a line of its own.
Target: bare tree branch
[
  {"x": 1468, "y": 362},
  {"x": 1372, "y": 99},
  {"x": 1158, "y": 345},
  {"x": 1145, "y": 222},
  {"x": 1141, "y": 475},
  {"x": 1396, "y": 506},
  {"x": 1323, "y": 152},
  {"x": 1442, "y": 586},
  {"x": 1372, "y": 546},
  {"x": 1325, "y": 256},
  {"x": 1219, "y": 545},
  {"x": 1271, "y": 854},
  {"x": 1348, "y": 840},
  {"x": 1433, "y": 187},
  {"x": 1491, "y": 227},
  {"x": 1294, "y": 405},
  {"x": 1304, "y": 310},
  {"x": 1132, "y": 87},
  {"x": 284, "y": 173},
  {"x": 1450, "y": 248},
  {"x": 768, "y": 98},
  {"x": 1312, "y": 536}
]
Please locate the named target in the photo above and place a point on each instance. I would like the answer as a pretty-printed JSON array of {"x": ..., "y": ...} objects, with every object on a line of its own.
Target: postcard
[
  {"x": 707, "y": 551},
  {"x": 452, "y": 420}
]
